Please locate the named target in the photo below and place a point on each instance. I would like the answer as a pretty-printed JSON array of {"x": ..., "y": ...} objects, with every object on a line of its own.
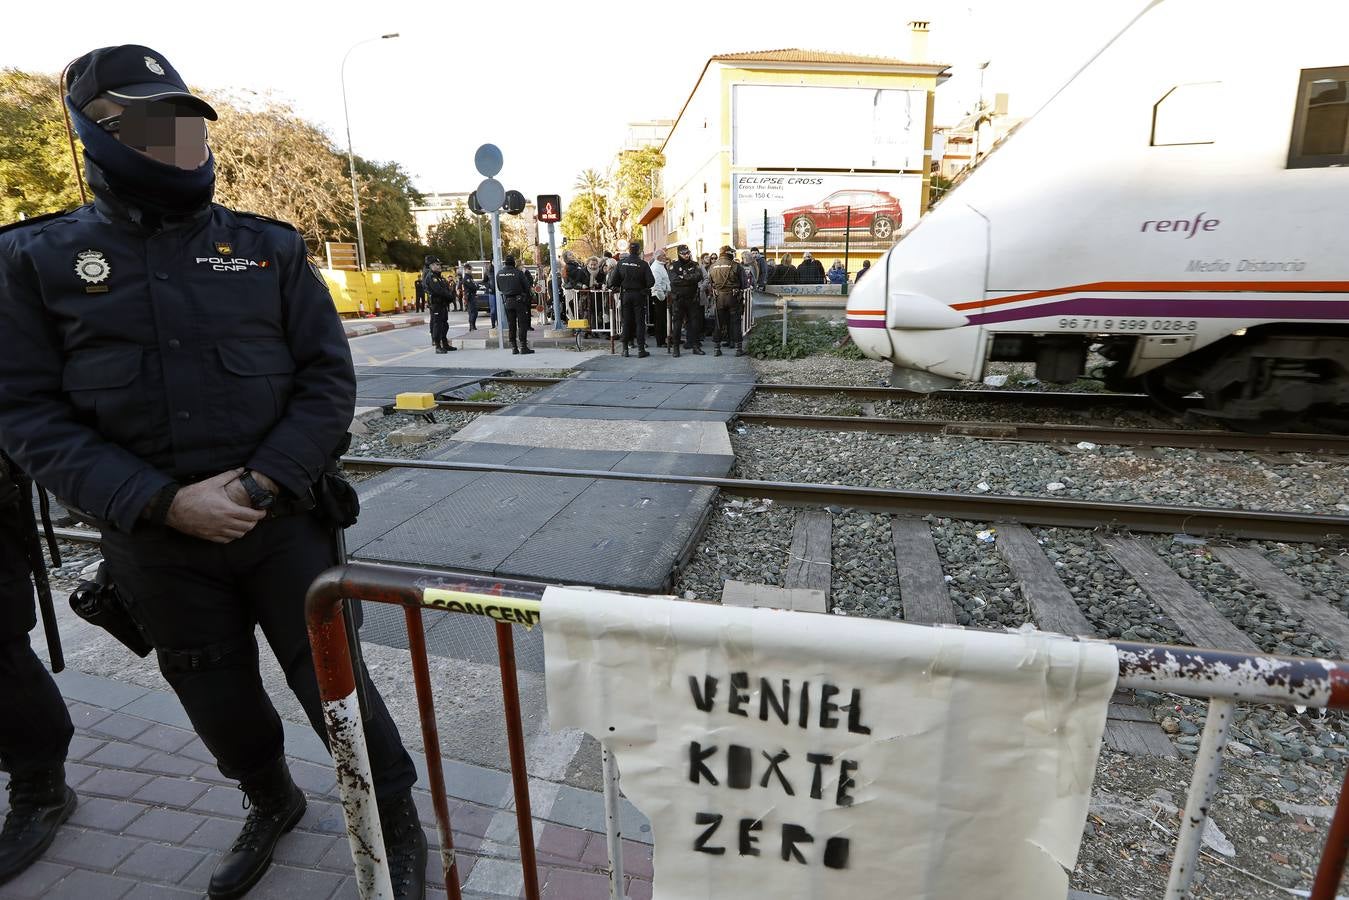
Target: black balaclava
[{"x": 148, "y": 188}]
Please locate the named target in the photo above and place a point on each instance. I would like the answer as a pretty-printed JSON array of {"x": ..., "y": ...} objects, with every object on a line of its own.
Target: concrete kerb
[{"x": 361, "y": 327}]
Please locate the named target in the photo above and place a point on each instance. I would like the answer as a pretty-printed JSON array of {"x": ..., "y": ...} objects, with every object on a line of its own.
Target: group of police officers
[
  {"x": 176, "y": 373},
  {"x": 633, "y": 279}
]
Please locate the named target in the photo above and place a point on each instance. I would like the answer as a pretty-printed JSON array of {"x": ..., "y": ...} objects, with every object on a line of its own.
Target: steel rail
[
  {"x": 1032, "y": 432},
  {"x": 1044, "y": 433},
  {"x": 1232, "y": 523},
  {"x": 878, "y": 392}
]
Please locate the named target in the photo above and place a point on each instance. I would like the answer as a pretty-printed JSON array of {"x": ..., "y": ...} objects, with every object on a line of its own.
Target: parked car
[{"x": 876, "y": 211}]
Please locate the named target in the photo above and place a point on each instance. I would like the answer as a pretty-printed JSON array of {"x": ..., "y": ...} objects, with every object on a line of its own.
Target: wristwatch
[{"x": 258, "y": 496}]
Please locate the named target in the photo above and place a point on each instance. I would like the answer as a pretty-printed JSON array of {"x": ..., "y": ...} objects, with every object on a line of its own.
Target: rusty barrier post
[
  {"x": 342, "y": 716},
  {"x": 1224, "y": 677}
]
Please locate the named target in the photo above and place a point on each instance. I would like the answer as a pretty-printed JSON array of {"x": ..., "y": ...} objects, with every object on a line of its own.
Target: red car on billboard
[{"x": 876, "y": 211}]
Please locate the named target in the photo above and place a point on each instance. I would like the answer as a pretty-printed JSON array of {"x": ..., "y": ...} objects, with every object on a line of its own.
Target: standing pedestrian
[
  {"x": 866, "y": 267},
  {"x": 573, "y": 276},
  {"x": 659, "y": 291},
  {"x": 200, "y": 432},
  {"x": 441, "y": 295},
  {"x": 685, "y": 276},
  {"x": 513, "y": 287},
  {"x": 489, "y": 284},
  {"x": 726, "y": 280},
  {"x": 35, "y": 727},
  {"x": 468, "y": 290},
  {"x": 784, "y": 272},
  {"x": 421, "y": 292},
  {"x": 810, "y": 271},
  {"x": 838, "y": 274},
  {"x": 633, "y": 279},
  {"x": 760, "y": 268}
]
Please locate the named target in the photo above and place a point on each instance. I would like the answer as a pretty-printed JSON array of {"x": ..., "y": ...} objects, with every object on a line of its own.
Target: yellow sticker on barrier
[{"x": 511, "y": 610}]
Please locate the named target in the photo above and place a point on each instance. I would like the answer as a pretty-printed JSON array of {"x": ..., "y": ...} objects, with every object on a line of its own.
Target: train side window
[
  {"x": 1321, "y": 119},
  {"x": 1186, "y": 114}
]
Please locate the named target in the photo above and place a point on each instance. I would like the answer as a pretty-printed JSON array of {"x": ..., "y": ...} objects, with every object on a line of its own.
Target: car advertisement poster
[{"x": 811, "y": 210}]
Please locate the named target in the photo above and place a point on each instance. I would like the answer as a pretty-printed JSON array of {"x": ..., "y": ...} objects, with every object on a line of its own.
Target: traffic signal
[
  {"x": 514, "y": 203},
  {"x": 549, "y": 208},
  {"x": 473, "y": 203}
]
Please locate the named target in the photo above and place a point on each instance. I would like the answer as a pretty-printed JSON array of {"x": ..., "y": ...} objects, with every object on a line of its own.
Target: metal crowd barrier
[{"x": 1223, "y": 677}]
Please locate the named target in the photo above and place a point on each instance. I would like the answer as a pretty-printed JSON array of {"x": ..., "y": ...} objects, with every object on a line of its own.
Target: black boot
[
  {"x": 674, "y": 350},
  {"x": 698, "y": 350},
  {"x": 625, "y": 350},
  {"x": 515, "y": 350},
  {"x": 405, "y": 847},
  {"x": 717, "y": 350},
  {"x": 38, "y": 804},
  {"x": 641, "y": 353},
  {"x": 525, "y": 350},
  {"x": 739, "y": 349},
  {"x": 274, "y": 804}
]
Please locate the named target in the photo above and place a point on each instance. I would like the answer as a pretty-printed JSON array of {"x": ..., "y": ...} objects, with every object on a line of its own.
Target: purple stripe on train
[
  {"x": 866, "y": 323},
  {"x": 1172, "y": 308}
]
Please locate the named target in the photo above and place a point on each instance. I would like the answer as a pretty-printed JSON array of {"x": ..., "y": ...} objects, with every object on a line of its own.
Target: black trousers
[
  {"x": 35, "y": 728},
  {"x": 472, "y": 304},
  {"x": 440, "y": 323},
  {"x": 729, "y": 314},
  {"x": 517, "y": 319},
  {"x": 658, "y": 320},
  {"x": 200, "y": 603},
  {"x": 687, "y": 310},
  {"x": 633, "y": 307}
]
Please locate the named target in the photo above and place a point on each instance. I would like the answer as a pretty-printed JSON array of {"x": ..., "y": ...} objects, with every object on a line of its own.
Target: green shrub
[{"x": 805, "y": 337}]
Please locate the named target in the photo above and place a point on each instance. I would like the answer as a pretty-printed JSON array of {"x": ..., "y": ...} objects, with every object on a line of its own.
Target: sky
[{"x": 552, "y": 84}]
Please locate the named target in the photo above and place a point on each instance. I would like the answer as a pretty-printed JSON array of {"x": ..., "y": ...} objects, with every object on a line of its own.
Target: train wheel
[{"x": 1155, "y": 385}]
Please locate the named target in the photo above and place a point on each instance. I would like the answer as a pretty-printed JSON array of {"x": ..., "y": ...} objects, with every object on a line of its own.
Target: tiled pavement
[{"x": 154, "y": 813}]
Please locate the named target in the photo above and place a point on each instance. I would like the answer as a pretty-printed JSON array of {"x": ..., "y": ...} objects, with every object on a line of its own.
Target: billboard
[
  {"x": 801, "y": 127},
  {"x": 811, "y": 210}
]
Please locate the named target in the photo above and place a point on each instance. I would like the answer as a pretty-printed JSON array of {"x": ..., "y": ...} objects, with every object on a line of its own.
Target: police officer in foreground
[
  {"x": 35, "y": 728},
  {"x": 176, "y": 370},
  {"x": 727, "y": 276},
  {"x": 633, "y": 278},
  {"x": 685, "y": 275},
  {"x": 440, "y": 294}
]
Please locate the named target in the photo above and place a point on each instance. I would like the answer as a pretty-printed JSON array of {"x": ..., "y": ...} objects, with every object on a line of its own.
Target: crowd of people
[{"x": 681, "y": 287}]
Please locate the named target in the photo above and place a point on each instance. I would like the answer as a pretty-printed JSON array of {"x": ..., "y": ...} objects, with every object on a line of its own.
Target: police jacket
[
  {"x": 437, "y": 288},
  {"x": 685, "y": 274},
  {"x": 725, "y": 276},
  {"x": 131, "y": 358},
  {"x": 468, "y": 287},
  {"x": 632, "y": 275},
  {"x": 811, "y": 271},
  {"x": 514, "y": 283}
]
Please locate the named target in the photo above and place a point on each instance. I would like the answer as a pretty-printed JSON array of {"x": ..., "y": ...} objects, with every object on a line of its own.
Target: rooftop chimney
[{"x": 918, "y": 44}]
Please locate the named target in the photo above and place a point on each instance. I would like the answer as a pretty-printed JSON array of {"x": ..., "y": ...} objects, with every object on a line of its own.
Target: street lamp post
[{"x": 351, "y": 157}]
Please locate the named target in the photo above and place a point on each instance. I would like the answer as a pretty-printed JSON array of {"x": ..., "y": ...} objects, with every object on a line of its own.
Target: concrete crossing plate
[
  {"x": 662, "y": 363},
  {"x": 616, "y": 434},
  {"x": 615, "y": 535},
  {"x": 670, "y": 377},
  {"x": 564, "y": 411}
]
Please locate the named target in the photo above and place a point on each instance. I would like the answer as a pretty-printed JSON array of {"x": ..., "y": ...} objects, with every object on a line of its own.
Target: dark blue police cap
[{"x": 129, "y": 72}]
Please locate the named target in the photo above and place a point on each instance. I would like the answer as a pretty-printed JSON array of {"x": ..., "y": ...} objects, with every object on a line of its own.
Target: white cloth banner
[{"x": 782, "y": 754}]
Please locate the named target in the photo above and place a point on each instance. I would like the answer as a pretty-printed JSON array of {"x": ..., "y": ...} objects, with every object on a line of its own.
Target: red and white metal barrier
[{"x": 1223, "y": 677}]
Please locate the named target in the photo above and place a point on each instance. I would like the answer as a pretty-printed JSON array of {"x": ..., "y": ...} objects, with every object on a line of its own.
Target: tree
[
  {"x": 268, "y": 160},
  {"x": 638, "y": 175},
  {"x": 387, "y": 198},
  {"x": 36, "y": 173},
  {"x": 605, "y": 209},
  {"x": 455, "y": 237}
]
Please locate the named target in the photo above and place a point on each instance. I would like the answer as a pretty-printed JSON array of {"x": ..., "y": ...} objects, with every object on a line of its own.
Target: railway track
[
  {"x": 1060, "y": 399},
  {"x": 1025, "y": 431}
]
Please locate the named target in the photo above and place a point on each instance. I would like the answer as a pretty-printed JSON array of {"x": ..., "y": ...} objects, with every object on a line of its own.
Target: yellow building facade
[{"x": 795, "y": 151}]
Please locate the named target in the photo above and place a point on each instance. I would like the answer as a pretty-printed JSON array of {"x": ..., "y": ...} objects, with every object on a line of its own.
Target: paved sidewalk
[{"x": 155, "y": 813}]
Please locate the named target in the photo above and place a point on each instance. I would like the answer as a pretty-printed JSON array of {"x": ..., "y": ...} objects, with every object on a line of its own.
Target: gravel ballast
[{"x": 1169, "y": 476}]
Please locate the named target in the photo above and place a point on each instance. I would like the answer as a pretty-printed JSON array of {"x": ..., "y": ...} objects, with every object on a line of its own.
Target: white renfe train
[{"x": 1181, "y": 206}]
